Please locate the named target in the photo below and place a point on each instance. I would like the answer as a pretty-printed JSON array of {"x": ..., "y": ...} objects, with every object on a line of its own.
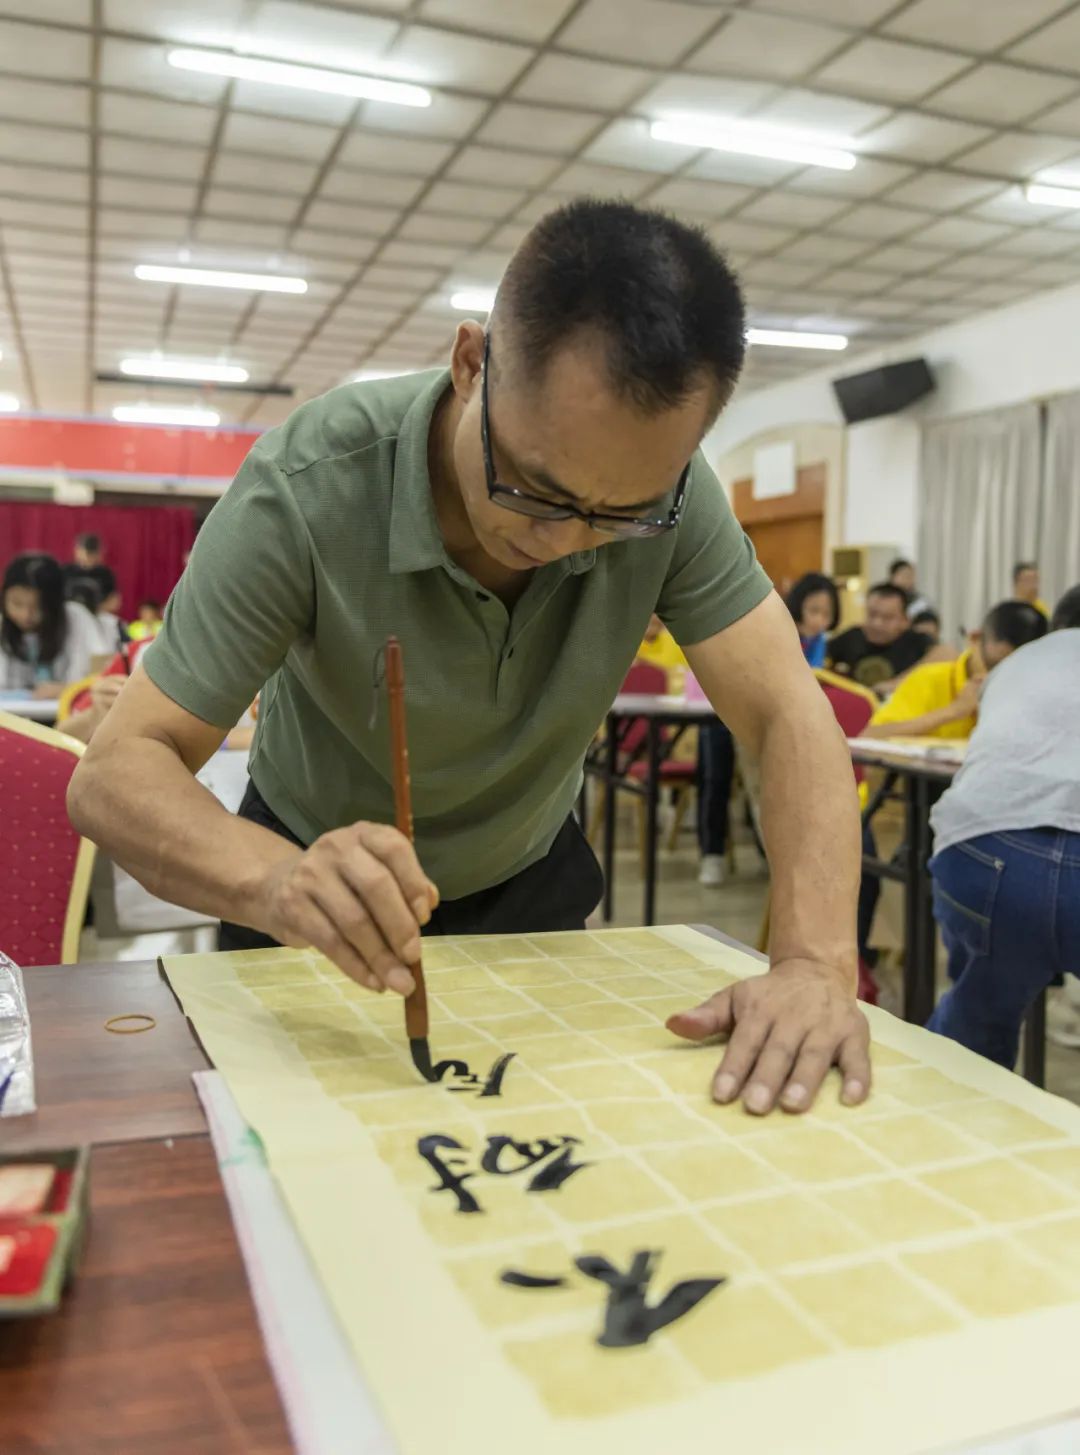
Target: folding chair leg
[
  {"x": 731, "y": 864},
  {"x": 642, "y": 836}
]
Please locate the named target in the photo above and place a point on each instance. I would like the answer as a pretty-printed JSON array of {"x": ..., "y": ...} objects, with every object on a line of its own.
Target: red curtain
[{"x": 144, "y": 545}]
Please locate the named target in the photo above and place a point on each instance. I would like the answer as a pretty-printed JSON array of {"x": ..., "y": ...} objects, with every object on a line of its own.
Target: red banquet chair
[{"x": 44, "y": 864}]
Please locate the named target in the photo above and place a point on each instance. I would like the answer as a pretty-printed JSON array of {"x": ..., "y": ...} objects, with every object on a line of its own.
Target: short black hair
[
  {"x": 898, "y": 565},
  {"x": 1024, "y": 566},
  {"x": 154, "y": 605},
  {"x": 85, "y": 590},
  {"x": 922, "y": 617},
  {"x": 810, "y": 585},
  {"x": 886, "y": 588},
  {"x": 660, "y": 294},
  {"x": 1067, "y": 611},
  {"x": 1016, "y": 623},
  {"x": 89, "y": 542}
]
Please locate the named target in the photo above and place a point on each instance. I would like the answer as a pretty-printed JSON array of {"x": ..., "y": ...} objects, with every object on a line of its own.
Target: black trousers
[{"x": 558, "y": 892}]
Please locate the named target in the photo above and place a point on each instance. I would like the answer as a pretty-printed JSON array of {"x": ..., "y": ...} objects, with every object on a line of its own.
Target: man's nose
[{"x": 563, "y": 537}]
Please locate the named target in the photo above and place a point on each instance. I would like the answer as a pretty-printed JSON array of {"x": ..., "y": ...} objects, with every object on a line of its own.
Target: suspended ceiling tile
[
  {"x": 591, "y": 179},
  {"x": 845, "y": 12},
  {"x": 681, "y": 95},
  {"x": 447, "y": 116},
  {"x": 627, "y": 143},
  {"x": 878, "y": 220},
  {"x": 141, "y": 66},
  {"x": 920, "y": 138},
  {"x": 1056, "y": 45},
  {"x": 437, "y": 226},
  {"x": 752, "y": 44},
  {"x": 891, "y": 70},
  {"x": 570, "y": 80},
  {"x": 866, "y": 179},
  {"x": 440, "y": 58},
  {"x": 984, "y": 26},
  {"x": 818, "y": 111},
  {"x": 694, "y": 195},
  {"x": 536, "y": 128},
  {"x": 39, "y": 50},
  {"x": 943, "y": 191},
  {"x": 656, "y": 32},
  {"x": 502, "y": 167},
  {"x": 262, "y": 134},
  {"x": 1001, "y": 94},
  {"x": 56, "y": 103},
  {"x": 378, "y": 152},
  {"x": 530, "y": 22},
  {"x": 1020, "y": 154},
  {"x": 792, "y": 209}
]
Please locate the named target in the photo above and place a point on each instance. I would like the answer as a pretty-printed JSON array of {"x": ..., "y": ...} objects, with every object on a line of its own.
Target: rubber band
[{"x": 115, "y": 1025}]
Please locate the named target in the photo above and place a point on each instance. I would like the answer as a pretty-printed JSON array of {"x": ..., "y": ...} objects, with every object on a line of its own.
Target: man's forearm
[
  {"x": 810, "y": 819},
  {"x": 147, "y": 811}
]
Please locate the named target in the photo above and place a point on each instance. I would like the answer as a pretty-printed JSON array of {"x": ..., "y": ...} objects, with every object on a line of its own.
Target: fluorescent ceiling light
[
  {"x": 184, "y": 369},
  {"x": 473, "y": 300},
  {"x": 165, "y": 414},
  {"x": 303, "y": 78},
  {"x": 752, "y": 141},
  {"x": 9, "y": 403},
  {"x": 779, "y": 338},
  {"x": 1043, "y": 196},
  {"x": 214, "y": 278}
]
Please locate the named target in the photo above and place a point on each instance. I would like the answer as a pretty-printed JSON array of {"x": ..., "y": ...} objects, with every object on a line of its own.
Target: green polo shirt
[{"x": 327, "y": 542}]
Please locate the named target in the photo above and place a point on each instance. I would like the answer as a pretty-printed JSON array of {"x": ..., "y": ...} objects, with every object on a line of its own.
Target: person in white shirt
[
  {"x": 45, "y": 641},
  {"x": 1007, "y": 832}
]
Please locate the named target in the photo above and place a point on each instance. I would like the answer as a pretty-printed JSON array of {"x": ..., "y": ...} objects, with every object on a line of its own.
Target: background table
[
  {"x": 658, "y": 712},
  {"x": 40, "y": 709},
  {"x": 923, "y": 779}
]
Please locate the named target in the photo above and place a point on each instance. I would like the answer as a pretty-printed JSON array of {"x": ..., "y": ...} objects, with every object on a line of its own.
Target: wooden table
[{"x": 156, "y": 1350}]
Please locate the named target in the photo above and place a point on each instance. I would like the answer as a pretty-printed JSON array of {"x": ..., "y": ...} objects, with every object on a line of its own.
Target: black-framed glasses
[{"x": 624, "y": 527}]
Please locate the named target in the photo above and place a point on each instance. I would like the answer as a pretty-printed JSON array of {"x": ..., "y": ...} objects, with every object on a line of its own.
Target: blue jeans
[{"x": 1008, "y": 906}]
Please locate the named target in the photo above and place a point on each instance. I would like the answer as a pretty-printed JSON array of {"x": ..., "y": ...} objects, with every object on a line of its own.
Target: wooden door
[{"x": 788, "y": 531}]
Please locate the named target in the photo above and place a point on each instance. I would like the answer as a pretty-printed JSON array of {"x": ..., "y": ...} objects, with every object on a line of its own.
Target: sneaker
[
  {"x": 711, "y": 872},
  {"x": 1063, "y": 1021}
]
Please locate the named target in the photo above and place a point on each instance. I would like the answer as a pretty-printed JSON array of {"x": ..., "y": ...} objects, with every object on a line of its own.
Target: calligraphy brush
[{"x": 416, "y": 1009}]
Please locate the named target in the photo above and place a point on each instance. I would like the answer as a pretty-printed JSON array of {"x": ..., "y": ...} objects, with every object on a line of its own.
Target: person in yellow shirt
[
  {"x": 1026, "y": 586},
  {"x": 660, "y": 649},
  {"x": 941, "y": 699}
]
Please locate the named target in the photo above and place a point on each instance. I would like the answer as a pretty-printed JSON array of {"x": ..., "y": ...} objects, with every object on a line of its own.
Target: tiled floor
[{"x": 737, "y": 907}]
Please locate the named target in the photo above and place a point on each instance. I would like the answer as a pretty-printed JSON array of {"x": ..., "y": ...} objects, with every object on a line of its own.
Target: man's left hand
[{"x": 785, "y": 1030}]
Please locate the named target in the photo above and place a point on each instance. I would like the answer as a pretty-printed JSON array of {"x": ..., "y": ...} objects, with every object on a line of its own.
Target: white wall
[
  {"x": 1026, "y": 351},
  {"x": 882, "y": 473}
]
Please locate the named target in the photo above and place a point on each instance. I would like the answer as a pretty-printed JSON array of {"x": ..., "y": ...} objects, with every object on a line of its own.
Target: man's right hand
[{"x": 359, "y": 895}]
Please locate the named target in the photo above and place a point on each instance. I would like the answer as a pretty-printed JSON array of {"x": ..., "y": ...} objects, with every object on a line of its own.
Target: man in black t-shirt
[{"x": 880, "y": 651}]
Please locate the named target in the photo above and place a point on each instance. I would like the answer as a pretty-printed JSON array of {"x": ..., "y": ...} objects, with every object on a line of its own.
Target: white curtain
[
  {"x": 1059, "y": 527},
  {"x": 979, "y": 498}
]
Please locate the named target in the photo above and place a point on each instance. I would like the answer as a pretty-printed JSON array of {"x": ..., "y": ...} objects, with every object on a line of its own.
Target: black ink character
[
  {"x": 629, "y": 1320},
  {"x": 470, "y": 1080},
  {"x": 502, "y": 1157}
]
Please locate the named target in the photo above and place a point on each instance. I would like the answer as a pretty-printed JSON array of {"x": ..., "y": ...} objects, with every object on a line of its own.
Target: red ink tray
[{"x": 40, "y": 1250}]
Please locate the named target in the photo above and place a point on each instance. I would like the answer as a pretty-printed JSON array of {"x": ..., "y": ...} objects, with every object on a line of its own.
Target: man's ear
[{"x": 467, "y": 359}]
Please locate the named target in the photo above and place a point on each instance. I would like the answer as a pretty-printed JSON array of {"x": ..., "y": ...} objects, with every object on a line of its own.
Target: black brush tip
[{"x": 421, "y": 1055}]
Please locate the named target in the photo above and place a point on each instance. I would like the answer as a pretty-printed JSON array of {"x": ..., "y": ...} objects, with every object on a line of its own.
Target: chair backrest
[
  {"x": 44, "y": 865},
  {"x": 649, "y": 680},
  {"x": 852, "y": 704},
  {"x": 645, "y": 677}
]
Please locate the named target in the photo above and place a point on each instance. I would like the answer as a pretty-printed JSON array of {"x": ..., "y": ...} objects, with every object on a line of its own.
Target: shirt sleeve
[
  {"x": 247, "y": 594},
  {"x": 714, "y": 577}
]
